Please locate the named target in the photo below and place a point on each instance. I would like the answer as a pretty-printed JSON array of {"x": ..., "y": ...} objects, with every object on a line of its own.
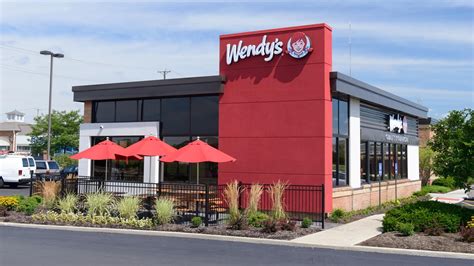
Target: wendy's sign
[{"x": 298, "y": 46}]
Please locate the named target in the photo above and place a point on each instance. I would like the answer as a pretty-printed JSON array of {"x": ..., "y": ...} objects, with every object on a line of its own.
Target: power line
[
  {"x": 75, "y": 59},
  {"x": 15, "y": 68}
]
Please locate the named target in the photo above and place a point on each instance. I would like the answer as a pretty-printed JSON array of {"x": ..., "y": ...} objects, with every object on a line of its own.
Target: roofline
[
  {"x": 353, "y": 87},
  {"x": 150, "y": 88},
  {"x": 259, "y": 32}
]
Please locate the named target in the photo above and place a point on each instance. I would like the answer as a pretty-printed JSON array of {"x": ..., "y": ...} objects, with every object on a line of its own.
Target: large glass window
[
  {"x": 118, "y": 169},
  {"x": 335, "y": 116},
  {"x": 386, "y": 161},
  {"x": 175, "y": 116},
  {"x": 339, "y": 162},
  {"x": 404, "y": 162},
  {"x": 372, "y": 162},
  {"x": 151, "y": 110},
  {"x": 126, "y": 111},
  {"x": 343, "y": 118},
  {"x": 379, "y": 159},
  {"x": 104, "y": 112},
  {"x": 340, "y": 117},
  {"x": 363, "y": 162},
  {"x": 340, "y": 128},
  {"x": 176, "y": 171},
  {"x": 204, "y": 115}
]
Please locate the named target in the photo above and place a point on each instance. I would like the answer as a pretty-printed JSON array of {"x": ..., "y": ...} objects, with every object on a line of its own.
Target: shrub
[
  {"x": 467, "y": 234},
  {"x": 3, "y": 211},
  {"x": 338, "y": 215},
  {"x": 445, "y": 182},
  {"x": 164, "y": 210},
  {"x": 196, "y": 222},
  {"x": 231, "y": 197},
  {"x": 68, "y": 203},
  {"x": 128, "y": 207},
  {"x": 277, "y": 191},
  {"x": 269, "y": 226},
  {"x": 406, "y": 229},
  {"x": 9, "y": 202},
  {"x": 99, "y": 203},
  {"x": 255, "y": 195},
  {"x": 28, "y": 205},
  {"x": 79, "y": 219},
  {"x": 306, "y": 223},
  {"x": 424, "y": 215},
  {"x": 432, "y": 189},
  {"x": 287, "y": 225},
  {"x": 256, "y": 219}
]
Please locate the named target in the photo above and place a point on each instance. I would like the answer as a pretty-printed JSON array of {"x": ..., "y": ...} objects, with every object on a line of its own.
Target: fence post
[
  {"x": 159, "y": 190},
  {"x": 323, "y": 206},
  {"x": 206, "y": 210},
  {"x": 31, "y": 186}
]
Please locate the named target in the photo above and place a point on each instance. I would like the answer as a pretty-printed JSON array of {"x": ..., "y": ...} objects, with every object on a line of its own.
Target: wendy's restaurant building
[{"x": 279, "y": 109}]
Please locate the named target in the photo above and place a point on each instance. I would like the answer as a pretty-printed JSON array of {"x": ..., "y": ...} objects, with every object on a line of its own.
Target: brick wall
[{"x": 350, "y": 199}]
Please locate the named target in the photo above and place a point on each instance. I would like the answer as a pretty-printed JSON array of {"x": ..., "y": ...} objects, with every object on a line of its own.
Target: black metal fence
[{"x": 204, "y": 200}]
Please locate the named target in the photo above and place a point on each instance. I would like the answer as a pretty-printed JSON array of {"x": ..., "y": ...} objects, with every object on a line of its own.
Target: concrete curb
[{"x": 411, "y": 252}]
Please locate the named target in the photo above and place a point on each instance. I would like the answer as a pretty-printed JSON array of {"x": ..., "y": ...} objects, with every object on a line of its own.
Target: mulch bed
[
  {"x": 447, "y": 242},
  {"x": 221, "y": 229}
]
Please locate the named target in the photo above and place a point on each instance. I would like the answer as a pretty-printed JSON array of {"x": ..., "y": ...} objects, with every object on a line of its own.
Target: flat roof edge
[
  {"x": 149, "y": 83},
  {"x": 374, "y": 94}
]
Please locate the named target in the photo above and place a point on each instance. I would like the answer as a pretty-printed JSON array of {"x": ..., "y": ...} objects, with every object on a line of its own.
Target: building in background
[
  {"x": 14, "y": 133},
  {"x": 425, "y": 130}
]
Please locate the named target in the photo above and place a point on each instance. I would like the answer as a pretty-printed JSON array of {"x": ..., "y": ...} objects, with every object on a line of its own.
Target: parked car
[
  {"x": 16, "y": 169},
  {"x": 47, "y": 169},
  {"x": 69, "y": 170}
]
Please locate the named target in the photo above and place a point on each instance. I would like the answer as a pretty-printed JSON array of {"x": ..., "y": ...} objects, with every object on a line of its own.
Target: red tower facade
[{"x": 275, "y": 115}]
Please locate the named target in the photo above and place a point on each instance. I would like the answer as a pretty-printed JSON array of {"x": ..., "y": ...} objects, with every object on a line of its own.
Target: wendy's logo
[{"x": 299, "y": 45}]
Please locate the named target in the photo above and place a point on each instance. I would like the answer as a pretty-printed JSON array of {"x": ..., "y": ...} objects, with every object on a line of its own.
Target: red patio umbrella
[
  {"x": 150, "y": 146},
  {"x": 198, "y": 152},
  {"x": 105, "y": 150}
]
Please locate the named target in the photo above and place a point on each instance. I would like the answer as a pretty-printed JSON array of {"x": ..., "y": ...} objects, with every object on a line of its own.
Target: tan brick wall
[
  {"x": 350, "y": 199},
  {"x": 88, "y": 112}
]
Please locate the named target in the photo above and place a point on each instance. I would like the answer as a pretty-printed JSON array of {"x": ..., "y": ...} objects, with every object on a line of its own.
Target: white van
[{"x": 16, "y": 169}]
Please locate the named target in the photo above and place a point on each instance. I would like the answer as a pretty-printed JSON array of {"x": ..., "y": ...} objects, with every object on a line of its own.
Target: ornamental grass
[
  {"x": 231, "y": 197},
  {"x": 277, "y": 191},
  {"x": 128, "y": 207},
  {"x": 99, "y": 203},
  {"x": 165, "y": 212},
  {"x": 49, "y": 191},
  {"x": 68, "y": 203},
  {"x": 255, "y": 195}
]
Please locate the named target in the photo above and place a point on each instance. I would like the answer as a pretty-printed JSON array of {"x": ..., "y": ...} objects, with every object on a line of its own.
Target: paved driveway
[
  {"x": 26, "y": 246},
  {"x": 20, "y": 190}
]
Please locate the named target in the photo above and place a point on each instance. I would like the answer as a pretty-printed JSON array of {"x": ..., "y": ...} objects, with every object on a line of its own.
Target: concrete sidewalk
[
  {"x": 452, "y": 197},
  {"x": 346, "y": 235}
]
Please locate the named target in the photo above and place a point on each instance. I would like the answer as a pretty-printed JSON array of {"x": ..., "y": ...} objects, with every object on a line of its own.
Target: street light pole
[{"x": 52, "y": 55}]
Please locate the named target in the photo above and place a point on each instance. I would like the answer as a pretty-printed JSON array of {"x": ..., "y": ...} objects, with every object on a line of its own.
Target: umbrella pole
[
  {"x": 162, "y": 170},
  {"x": 106, "y": 169},
  {"x": 197, "y": 174}
]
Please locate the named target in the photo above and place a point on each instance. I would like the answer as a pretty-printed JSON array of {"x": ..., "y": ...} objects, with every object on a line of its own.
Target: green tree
[
  {"x": 453, "y": 144},
  {"x": 64, "y": 131},
  {"x": 426, "y": 164}
]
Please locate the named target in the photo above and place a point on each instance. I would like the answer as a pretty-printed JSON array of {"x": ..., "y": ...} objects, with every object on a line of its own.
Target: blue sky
[{"x": 420, "y": 50}]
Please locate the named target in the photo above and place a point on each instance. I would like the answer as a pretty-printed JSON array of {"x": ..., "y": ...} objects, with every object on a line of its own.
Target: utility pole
[{"x": 164, "y": 72}]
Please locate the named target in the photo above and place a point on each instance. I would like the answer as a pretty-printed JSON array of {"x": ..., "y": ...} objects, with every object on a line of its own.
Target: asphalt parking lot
[{"x": 20, "y": 190}]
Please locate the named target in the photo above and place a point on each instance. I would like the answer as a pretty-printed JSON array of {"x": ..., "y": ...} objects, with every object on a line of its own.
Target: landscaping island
[{"x": 100, "y": 209}]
